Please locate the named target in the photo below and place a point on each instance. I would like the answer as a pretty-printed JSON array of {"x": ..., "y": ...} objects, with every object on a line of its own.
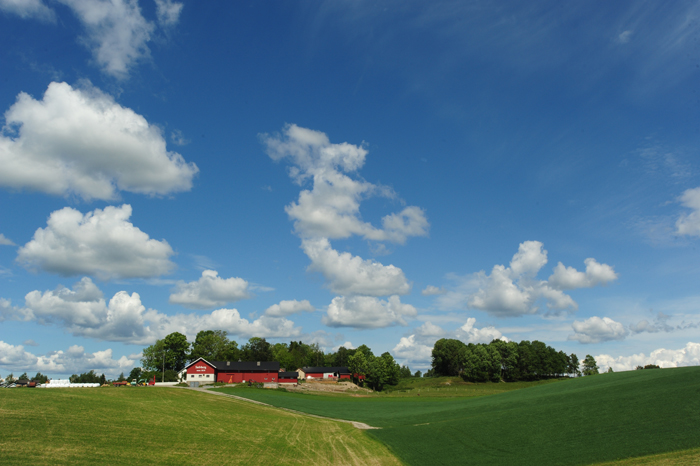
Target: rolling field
[
  {"x": 576, "y": 422},
  {"x": 169, "y": 426}
]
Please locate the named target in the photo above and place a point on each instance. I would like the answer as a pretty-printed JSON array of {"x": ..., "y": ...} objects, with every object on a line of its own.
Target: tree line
[
  {"x": 507, "y": 361},
  {"x": 168, "y": 356}
]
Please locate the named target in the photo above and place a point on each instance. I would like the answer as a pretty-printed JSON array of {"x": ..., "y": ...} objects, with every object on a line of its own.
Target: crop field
[
  {"x": 169, "y": 426},
  {"x": 590, "y": 420},
  {"x": 455, "y": 386}
]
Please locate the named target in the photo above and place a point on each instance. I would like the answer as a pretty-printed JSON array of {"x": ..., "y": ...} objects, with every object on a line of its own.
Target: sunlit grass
[{"x": 169, "y": 426}]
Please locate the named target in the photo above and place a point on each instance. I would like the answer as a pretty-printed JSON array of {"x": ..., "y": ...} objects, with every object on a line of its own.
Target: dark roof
[
  {"x": 288, "y": 375},
  {"x": 271, "y": 366},
  {"x": 267, "y": 366},
  {"x": 339, "y": 370}
]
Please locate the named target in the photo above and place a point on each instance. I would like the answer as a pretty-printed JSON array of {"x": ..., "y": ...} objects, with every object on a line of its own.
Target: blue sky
[{"x": 380, "y": 173}]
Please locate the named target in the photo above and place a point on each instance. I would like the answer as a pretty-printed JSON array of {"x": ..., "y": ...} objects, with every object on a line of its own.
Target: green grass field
[
  {"x": 456, "y": 387},
  {"x": 169, "y": 426},
  {"x": 575, "y": 422}
]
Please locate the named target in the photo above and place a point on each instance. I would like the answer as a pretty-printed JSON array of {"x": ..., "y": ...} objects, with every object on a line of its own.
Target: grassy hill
[
  {"x": 169, "y": 426},
  {"x": 576, "y": 422}
]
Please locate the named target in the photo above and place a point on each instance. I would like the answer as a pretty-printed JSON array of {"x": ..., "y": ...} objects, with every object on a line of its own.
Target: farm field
[
  {"x": 169, "y": 426},
  {"x": 582, "y": 421}
]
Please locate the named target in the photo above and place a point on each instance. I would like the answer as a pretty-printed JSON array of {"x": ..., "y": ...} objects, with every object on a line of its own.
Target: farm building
[
  {"x": 205, "y": 371},
  {"x": 288, "y": 377},
  {"x": 326, "y": 372}
]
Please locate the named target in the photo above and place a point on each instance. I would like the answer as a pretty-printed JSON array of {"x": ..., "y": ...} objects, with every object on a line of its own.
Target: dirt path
[{"x": 358, "y": 425}]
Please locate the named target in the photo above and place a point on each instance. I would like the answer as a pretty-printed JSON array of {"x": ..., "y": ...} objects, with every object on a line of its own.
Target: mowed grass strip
[
  {"x": 575, "y": 422},
  {"x": 170, "y": 426}
]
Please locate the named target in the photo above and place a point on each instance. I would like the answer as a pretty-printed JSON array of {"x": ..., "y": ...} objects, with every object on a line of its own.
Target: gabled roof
[
  {"x": 196, "y": 361},
  {"x": 325, "y": 370},
  {"x": 269, "y": 366}
]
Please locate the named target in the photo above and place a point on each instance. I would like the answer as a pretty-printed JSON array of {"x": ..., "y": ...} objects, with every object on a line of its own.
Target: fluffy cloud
[
  {"x": 416, "y": 349},
  {"x": 117, "y": 33},
  {"x": 431, "y": 290},
  {"x": 428, "y": 330},
  {"x": 367, "y": 312},
  {"x": 469, "y": 334},
  {"x": 101, "y": 242},
  {"x": 687, "y": 356},
  {"x": 289, "y": 307},
  {"x": 210, "y": 291},
  {"x": 28, "y": 9},
  {"x": 83, "y": 311},
  {"x": 346, "y": 345},
  {"x": 568, "y": 278},
  {"x": 412, "y": 352},
  {"x": 4, "y": 241},
  {"x": 596, "y": 330},
  {"x": 515, "y": 290},
  {"x": 72, "y": 361},
  {"x": 79, "y": 141},
  {"x": 689, "y": 224},
  {"x": 351, "y": 275},
  {"x": 331, "y": 209},
  {"x": 168, "y": 12}
]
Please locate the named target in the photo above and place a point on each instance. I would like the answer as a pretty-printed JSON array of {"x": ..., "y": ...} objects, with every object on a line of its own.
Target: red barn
[
  {"x": 205, "y": 371},
  {"x": 326, "y": 372}
]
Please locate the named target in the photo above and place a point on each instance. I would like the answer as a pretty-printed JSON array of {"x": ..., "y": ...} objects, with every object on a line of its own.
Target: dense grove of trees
[
  {"x": 174, "y": 351},
  {"x": 88, "y": 377},
  {"x": 500, "y": 360}
]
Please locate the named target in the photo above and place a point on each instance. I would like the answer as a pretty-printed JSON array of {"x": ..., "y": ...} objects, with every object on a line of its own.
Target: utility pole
[{"x": 162, "y": 377}]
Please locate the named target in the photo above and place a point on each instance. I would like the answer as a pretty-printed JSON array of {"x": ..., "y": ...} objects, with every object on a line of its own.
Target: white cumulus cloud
[
  {"x": 596, "y": 330},
  {"x": 28, "y": 9},
  {"x": 4, "y": 241},
  {"x": 431, "y": 290},
  {"x": 351, "y": 275},
  {"x": 689, "y": 224},
  {"x": 289, "y": 307},
  {"x": 412, "y": 351},
  {"x": 331, "y": 209},
  {"x": 686, "y": 356},
  {"x": 101, "y": 242},
  {"x": 515, "y": 290},
  {"x": 72, "y": 361},
  {"x": 84, "y": 312},
  {"x": 81, "y": 142},
  {"x": 470, "y": 334},
  {"x": 367, "y": 312},
  {"x": 568, "y": 278},
  {"x": 210, "y": 291},
  {"x": 117, "y": 33}
]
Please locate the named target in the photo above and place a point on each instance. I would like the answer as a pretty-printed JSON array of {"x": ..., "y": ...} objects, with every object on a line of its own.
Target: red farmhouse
[{"x": 202, "y": 370}]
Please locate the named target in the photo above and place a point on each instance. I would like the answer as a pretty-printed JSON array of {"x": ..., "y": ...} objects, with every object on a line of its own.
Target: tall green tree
[
  {"x": 358, "y": 364},
  {"x": 448, "y": 357},
  {"x": 573, "y": 367},
  {"x": 590, "y": 367},
  {"x": 257, "y": 349},
  {"x": 170, "y": 353},
  {"x": 214, "y": 345},
  {"x": 378, "y": 373}
]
